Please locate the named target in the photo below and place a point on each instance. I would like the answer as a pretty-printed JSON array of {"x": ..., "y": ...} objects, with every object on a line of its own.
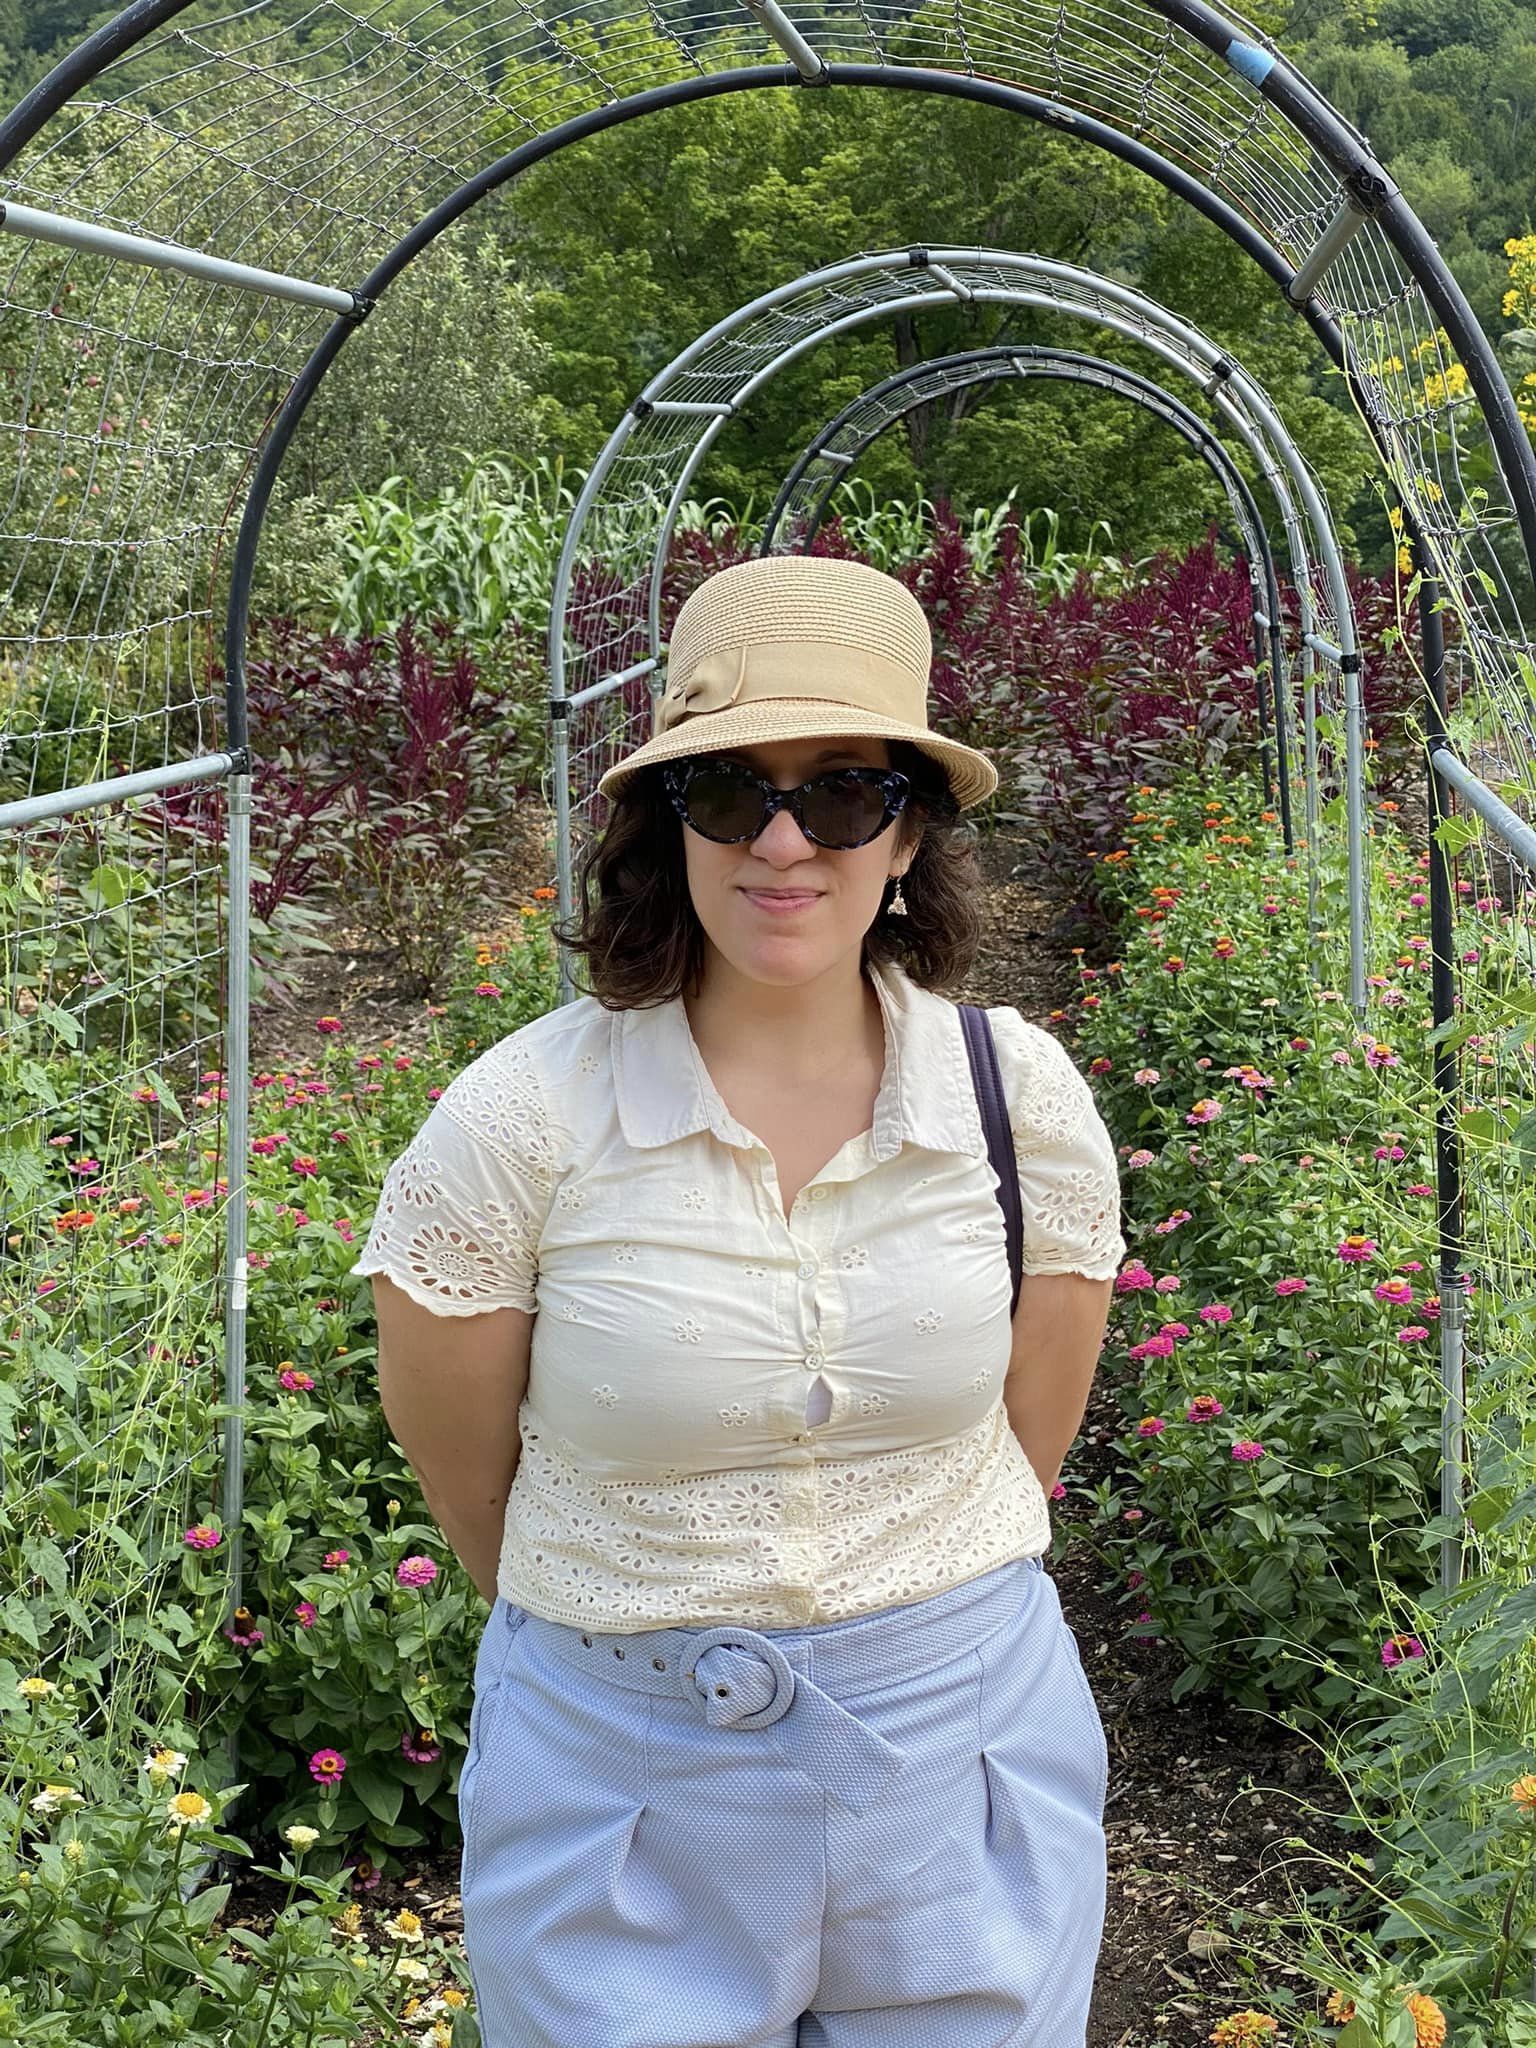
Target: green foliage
[{"x": 106, "y": 1939}]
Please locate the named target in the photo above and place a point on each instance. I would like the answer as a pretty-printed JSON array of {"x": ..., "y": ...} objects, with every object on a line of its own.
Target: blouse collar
[{"x": 664, "y": 1090}]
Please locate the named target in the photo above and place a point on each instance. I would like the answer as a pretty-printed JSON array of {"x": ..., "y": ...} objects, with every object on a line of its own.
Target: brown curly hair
[{"x": 636, "y": 927}]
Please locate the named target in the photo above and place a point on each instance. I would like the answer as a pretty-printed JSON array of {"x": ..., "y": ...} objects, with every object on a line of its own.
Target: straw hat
[{"x": 789, "y": 647}]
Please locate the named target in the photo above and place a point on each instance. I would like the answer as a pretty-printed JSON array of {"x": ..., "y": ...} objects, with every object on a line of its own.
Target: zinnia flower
[
  {"x": 326, "y": 1766},
  {"x": 1151, "y": 1425},
  {"x": 1203, "y": 1408},
  {"x": 1400, "y": 1650},
  {"x": 1246, "y": 1451},
  {"x": 415, "y": 1571},
  {"x": 201, "y": 1537}
]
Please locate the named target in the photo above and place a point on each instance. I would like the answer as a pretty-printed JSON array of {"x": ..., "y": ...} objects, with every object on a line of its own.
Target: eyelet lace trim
[{"x": 731, "y": 1546}]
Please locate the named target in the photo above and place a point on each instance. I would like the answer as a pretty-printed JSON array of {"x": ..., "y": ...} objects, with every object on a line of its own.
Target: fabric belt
[{"x": 741, "y": 1678}]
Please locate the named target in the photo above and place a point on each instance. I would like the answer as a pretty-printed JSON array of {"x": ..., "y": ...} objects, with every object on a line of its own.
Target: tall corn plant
[{"x": 481, "y": 555}]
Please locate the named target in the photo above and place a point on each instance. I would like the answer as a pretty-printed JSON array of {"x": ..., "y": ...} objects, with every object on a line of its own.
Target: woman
[{"x": 694, "y": 1323}]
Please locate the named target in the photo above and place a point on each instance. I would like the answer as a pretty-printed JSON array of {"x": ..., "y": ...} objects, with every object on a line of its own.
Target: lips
[{"x": 781, "y": 901}]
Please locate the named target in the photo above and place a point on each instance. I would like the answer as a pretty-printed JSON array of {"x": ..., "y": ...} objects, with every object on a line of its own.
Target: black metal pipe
[{"x": 1449, "y": 1184}]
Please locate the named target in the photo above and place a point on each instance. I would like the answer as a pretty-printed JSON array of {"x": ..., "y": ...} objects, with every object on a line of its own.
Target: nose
[{"x": 781, "y": 842}]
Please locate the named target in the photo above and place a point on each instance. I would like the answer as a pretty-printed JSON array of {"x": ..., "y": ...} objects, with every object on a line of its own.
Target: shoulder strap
[{"x": 993, "y": 1104}]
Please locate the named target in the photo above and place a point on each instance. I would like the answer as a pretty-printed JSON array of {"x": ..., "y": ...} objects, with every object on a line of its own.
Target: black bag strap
[{"x": 993, "y": 1104}]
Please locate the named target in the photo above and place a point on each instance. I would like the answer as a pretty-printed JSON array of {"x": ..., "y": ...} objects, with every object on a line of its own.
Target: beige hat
[{"x": 790, "y": 647}]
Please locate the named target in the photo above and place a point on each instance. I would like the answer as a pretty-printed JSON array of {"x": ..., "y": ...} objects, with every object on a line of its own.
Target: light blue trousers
[{"x": 878, "y": 1833}]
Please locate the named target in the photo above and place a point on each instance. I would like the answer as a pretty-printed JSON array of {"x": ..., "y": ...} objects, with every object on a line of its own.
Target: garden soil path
[{"x": 1204, "y": 1802}]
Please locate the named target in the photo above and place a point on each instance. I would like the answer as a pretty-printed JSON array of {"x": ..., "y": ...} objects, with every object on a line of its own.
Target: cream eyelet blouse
[{"x": 732, "y": 1416}]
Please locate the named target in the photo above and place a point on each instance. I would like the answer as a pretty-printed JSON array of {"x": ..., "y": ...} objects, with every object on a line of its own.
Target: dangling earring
[{"x": 898, "y": 906}]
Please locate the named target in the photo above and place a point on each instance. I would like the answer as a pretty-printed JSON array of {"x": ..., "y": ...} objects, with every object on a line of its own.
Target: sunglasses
[{"x": 727, "y": 802}]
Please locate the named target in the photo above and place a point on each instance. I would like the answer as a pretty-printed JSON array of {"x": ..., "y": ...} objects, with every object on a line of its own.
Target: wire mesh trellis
[
  {"x": 331, "y": 148},
  {"x": 605, "y": 620}
]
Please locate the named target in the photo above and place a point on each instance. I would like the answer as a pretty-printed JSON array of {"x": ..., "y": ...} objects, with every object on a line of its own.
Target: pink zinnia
[
  {"x": 293, "y": 1382},
  {"x": 1415, "y": 1333},
  {"x": 1058, "y": 1491},
  {"x": 1132, "y": 1277},
  {"x": 415, "y": 1571},
  {"x": 1151, "y": 1425},
  {"x": 326, "y": 1766},
  {"x": 1133, "y": 1514},
  {"x": 145, "y": 1095},
  {"x": 488, "y": 988},
  {"x": 305, "y": 1166},
  {"x": 1152, "y": 1347},
  {"x": 264, "y": 1147},
  {"x": 1141, "y": 1157},
  {"x": 1169, "y": 1284},
  {"x": 246, "y": 1640},
  {"x": 1205, "y": 1111},
  {"x": 1354, "y": 1250},
  {"x": 1216, "y": 1312},
  {"x": 308, "y": 1613},
  {"x": 420, "y": 1748},
  {"x": 1398, "y": 1292},
  {"x": 1170, "y": 1223},
  {"x": 1203, "y": 1408},
  {"x": 1146, "y": 1077},
  {"x": 1400, "y": 1650},
  {"x": 202, "y": 1536},
  {"x": 1293, "y": 1285},
  {"x": 1246, "y": 1451},
  {"x": 1174, "y": 1330},
  {"x": 328, "y": 1026},
  {"x": 335, "y": 1559}
]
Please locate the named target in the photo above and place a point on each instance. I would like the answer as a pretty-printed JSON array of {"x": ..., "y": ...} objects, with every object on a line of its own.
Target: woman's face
[{"x": 826, "y": 898}]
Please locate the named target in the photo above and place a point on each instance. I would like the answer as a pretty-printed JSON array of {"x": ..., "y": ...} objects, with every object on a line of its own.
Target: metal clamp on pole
[
  {"x": 1220, "y": 374},
  {"x": 789, "y": 39}
]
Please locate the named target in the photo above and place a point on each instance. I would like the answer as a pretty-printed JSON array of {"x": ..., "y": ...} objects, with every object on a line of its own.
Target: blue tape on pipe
[{"x": 1250, "y": 62}]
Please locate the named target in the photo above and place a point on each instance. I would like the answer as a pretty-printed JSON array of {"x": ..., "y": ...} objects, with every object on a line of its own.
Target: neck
[{"x": 802, "y": 1033}]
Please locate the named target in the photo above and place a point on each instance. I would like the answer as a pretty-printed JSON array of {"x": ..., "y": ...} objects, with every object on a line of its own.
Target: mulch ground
[{"x": 1204, "y": 1801}]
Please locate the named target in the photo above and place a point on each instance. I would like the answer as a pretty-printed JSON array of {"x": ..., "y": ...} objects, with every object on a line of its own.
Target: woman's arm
[
  {"x": 451, "y": 1387},
  {"x": 1058, "y": 1332}
]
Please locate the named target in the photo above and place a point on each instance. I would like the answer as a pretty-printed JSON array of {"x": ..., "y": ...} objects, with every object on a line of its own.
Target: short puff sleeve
[
  {"x": 1069, "y": 1178},
  {"x": 462, "y": 1209}
]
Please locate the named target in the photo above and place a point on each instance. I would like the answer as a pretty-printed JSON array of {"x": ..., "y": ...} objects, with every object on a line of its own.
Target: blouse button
[
  {"x": 808, "y": 1270},
  {"x": 818, "y": 1194},
  {"x": 813, "y": 1361}
]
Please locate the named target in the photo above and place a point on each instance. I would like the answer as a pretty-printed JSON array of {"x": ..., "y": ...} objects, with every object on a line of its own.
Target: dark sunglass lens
[
  {"x": 840, "y": 810},
  {"x": 724, "y": 803}
]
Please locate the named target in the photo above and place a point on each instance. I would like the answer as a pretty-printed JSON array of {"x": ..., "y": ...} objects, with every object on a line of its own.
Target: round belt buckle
[{"x": 753, "y": 1645}]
